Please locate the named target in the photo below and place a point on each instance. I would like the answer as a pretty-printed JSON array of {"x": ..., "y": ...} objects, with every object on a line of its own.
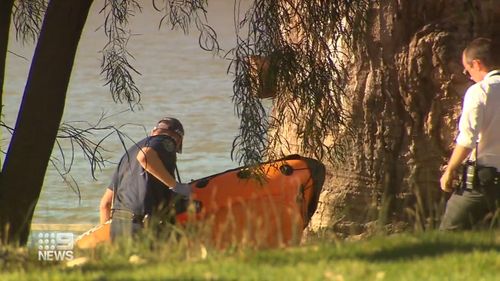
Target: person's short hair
[{"x": 485, "y": 50}]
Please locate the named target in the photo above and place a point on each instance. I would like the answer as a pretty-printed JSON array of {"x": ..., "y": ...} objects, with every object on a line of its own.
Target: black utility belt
[
  {"x": 475, "y": 176},
  {"x": 126, "y": 214}
]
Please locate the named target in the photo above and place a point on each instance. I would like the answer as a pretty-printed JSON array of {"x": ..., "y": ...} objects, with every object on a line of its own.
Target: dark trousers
[{"x": 468, "y": 207}]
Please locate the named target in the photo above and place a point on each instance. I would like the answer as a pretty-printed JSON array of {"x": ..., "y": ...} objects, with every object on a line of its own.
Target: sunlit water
[{"x": 178, "y": 79}]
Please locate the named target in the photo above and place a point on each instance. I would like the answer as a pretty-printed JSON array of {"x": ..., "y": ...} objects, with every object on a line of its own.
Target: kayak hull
[
  {"x": 264, "y": 206},
  {"x": 95, "y": 236}
]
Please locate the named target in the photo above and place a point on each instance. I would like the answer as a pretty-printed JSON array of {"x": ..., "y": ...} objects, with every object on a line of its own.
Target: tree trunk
[
  {"x": 405, "y": 89},
  {"x": 39, "y": 116},
  {"x": 5, "y": 13}
]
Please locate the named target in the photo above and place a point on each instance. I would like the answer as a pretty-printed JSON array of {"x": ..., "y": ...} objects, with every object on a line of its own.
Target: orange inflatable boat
[{"x": 265, "y": 209}]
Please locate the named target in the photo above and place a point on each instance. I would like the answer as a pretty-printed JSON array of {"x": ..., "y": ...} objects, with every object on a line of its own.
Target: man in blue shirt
[{"x": 144, "y": 184}]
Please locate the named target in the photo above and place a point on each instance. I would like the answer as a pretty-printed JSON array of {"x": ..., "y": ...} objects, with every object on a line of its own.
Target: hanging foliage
[
  {"x": 115, "y": 56},
  {"x": 27, "y": 16},
  {"x": 116, "y": 66},
  {"x": 182, "y": 14},
  {"x": 293, "y": 49}
]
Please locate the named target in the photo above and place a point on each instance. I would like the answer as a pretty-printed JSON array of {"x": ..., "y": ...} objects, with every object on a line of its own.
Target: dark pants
[
  {"x": 468, "y": 207},
  {"x": 123, "y": 224}
]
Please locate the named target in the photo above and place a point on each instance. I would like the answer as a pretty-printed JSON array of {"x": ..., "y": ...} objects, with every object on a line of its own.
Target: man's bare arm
[
  {"x": 105, "y": 206},
  {"x": 151, "y": 162},
  {"x": 460, "y": 153}
]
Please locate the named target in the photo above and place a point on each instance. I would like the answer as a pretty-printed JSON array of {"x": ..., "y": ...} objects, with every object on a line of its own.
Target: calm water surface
[{"x": 178, "y": 79}]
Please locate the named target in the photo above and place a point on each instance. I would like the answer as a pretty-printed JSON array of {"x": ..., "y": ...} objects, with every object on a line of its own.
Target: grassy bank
[{"x": 429, "y": 256}]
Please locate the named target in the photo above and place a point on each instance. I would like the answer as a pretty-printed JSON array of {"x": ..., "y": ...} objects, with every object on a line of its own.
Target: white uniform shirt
[{"x": 480, "y": 120}]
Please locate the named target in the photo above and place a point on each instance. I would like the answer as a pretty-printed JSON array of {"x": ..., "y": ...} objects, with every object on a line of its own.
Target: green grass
[{"x": 427, "y": 256}]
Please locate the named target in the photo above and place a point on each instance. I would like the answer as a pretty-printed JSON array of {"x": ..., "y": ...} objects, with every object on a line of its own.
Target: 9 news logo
[{"x": 55, "y": 246}]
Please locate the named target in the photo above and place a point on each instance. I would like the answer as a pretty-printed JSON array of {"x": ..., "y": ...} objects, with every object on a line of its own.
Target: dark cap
[{"x": 171, "y": 124}]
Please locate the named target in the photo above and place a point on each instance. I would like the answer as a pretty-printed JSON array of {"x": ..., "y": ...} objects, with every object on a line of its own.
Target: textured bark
[
  {"x": 39, "y": 117},
  {"x": 405, "y": 88},
  {"x": 5, "y": 13}
]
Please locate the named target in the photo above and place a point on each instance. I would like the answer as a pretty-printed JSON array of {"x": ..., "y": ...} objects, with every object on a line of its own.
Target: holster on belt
[
  {"x": 475, "y": 176},
  {"x": 488, "y": 176}
]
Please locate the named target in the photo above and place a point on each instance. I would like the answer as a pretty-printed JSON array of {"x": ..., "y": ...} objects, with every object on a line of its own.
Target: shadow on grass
[
  {"x": 425, "y": 249},
  {"x": 122, "y": 271},
  {"x": 382, "y": 249},
  {"x": 118, "y": 267}
]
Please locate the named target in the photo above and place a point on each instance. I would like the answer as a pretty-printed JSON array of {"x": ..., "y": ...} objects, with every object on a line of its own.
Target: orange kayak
[{"x": 266, "y": 209}]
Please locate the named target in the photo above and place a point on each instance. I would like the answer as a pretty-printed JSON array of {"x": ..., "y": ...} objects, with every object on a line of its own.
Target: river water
[{"x": 178, "y": 79}]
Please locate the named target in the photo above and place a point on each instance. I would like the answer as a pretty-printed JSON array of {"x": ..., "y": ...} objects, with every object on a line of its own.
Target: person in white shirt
[{"x": 478, "y": 142}]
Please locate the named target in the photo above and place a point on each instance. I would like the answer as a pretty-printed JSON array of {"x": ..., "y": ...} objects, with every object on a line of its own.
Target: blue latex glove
[{"x": 182, "y": 189}]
